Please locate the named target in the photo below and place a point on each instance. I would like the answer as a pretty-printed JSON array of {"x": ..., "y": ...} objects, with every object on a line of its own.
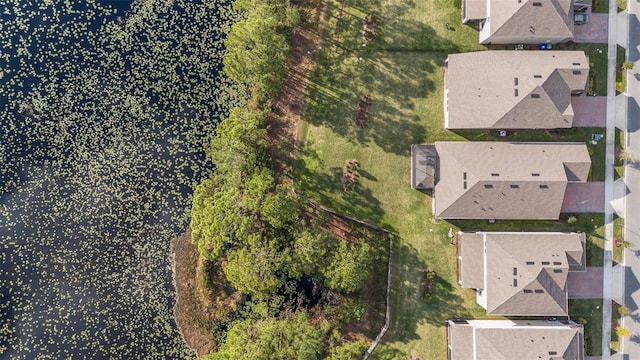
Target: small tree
[
  {"x": 622, "y": 331},
  {"x": 623, "y": 310},
  {"x": 627, "y": 65},
  {"x": 623, "y": 154},
  {"x": 572, "y": 219}
]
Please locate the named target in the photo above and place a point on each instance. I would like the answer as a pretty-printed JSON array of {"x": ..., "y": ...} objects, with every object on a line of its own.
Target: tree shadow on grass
[
  {"x": 394, "y": 84},
  {"x": 326, "y": 189},
  {"x": 412, "y": 304}
]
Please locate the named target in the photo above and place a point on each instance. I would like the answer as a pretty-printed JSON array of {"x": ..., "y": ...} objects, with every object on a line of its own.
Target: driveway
[
  {"x": 589, "y": 111},
  {"x": 584, "y": 198},
  {"x": 586, "y": 284},
  {"x": 594, "y": 31}
]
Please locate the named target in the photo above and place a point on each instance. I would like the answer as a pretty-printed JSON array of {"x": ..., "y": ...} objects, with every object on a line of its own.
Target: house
[
  {"x": 519, "y": 273},
  {"x": 513, "y": 89},
  {"x": 520, "y": 21},
  {"x": 514, "y": 339},
  {"x": 500, "y": 180}
]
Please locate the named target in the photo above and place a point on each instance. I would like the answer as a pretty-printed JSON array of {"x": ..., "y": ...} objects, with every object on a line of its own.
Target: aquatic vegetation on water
[{"x": 105, "y": 116}]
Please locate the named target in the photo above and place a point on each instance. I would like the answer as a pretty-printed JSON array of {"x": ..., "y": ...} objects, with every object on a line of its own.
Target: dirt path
[{"x": 289, "y": 103}]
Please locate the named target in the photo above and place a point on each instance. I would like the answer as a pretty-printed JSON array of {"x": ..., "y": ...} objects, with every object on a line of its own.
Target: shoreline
[{"x": 183, "y": 264}]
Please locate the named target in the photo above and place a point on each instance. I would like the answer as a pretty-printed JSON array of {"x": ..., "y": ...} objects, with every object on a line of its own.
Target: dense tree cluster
[
  {"x": 257, "y": 46},
  {"x": 253, "y": 226}
]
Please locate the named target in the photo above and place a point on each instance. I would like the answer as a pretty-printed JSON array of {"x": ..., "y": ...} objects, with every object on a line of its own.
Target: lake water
[{"x": 104, "y": 121}]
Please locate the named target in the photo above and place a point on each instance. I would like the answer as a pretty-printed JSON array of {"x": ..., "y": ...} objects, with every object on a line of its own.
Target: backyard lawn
[{"x": 401, "y": 72}]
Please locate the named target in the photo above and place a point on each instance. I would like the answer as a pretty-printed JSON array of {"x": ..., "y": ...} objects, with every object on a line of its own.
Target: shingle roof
[
  {"x": 474, "y": 10},
  {"x": 523, "y": 273},
  {"x": 520, "y": 339},
  {"x": 500, "y": 180},
  {"x": 513, "y": 89},
  {"x": 471, "y": 262},
  {"x": 529, "y": 19}
]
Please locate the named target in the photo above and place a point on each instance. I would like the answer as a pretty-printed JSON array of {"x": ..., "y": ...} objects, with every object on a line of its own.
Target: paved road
[{"x": 631, "y": 345}]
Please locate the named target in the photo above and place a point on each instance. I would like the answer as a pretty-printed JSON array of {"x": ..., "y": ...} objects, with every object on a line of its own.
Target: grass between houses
[
  {"x": 589, "y": 313},
  {"x": 619, "y": 154},
  {"x": 402, "y": 72},
  {"x": 621, "y": 74}
]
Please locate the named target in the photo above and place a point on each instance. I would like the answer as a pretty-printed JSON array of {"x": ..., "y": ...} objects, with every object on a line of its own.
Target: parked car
[{"x": 580, "y": 18}]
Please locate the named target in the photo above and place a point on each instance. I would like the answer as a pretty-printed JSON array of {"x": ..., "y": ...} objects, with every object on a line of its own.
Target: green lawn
[
  {"x": 619, "y": 162},
  {"x": 601, "y": 6},
  {"x": 589, "y": 313},
  {"x": 402, "y": 73},
  {"x": 621, "y": 75}
]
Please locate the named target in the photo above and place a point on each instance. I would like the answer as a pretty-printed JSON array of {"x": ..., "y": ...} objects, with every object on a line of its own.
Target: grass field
[
  {"x": 589, "y": 313},
  {"x": 402, "y": 73}
]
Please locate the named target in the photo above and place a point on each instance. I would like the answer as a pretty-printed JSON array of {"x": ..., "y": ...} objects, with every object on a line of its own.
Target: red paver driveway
[
  {"x": 589, "y": 111},
  {"x": 584, "y": 198},
  {"x": 594, "y": 31},
  {"x": 585, "y": 285}
]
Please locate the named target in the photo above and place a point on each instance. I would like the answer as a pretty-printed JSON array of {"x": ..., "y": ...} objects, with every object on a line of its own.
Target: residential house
[
  {"x": 520, "y": 273},
  {"x": 513, "y": 89},
  {"x": 499, "y": 180},
  {"x": 520, "y": 21},
  {"x": 514, "y": 339}
]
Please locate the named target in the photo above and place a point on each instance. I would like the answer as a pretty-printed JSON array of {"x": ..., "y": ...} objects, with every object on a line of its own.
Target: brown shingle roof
[
  {"x": 513, "y": 89},
  {"x": 528, "y": 21},
  {"x": 499, "y": 180},
  {"x": 474, "y": 10},
  {"x": 515, "y": 339},
  {"x": 522, "y": 273},
  {"x": 471, "y": 271}
]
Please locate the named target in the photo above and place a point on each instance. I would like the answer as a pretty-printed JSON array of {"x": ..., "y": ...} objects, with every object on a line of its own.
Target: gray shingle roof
[
  {"x": 500, "y": 180},
  {"x": 424, "y": 159},
  {"x": 513, "y": 89}
]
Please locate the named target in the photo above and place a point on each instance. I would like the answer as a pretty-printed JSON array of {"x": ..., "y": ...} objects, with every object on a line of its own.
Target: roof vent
[
  {"x": 535, "y": 96},
  {"x": 538, "y": 291},
  {"x": 488, "y": 186},
  {"x": 527, "y": 291},
  {"x": 515, "y": 271},
  {"x": 514, "y": 186},
  {"x": 535, "y": 174},
  {"x": 495, "y": 174},
  {"x": 576, "y": 64},
  {"x": 515, "y": 81},
  {"x": 577, "y": 72},
  {"x": 464, "y": 185},
  {"x": 537, "y": 4},
  {"x": 557, "y": 271},
  {"x": 544, "y": 186},
  {"x": 557, "y": 263},
  {"x": 537, "y": 76},
  {"x": 546, "y": 263},
  {"x": 515, "y": 282},
  {"x": 553, "y": 353},
  {"x": 515, "y": 92},
  {"x": 530, "y": 263}
]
